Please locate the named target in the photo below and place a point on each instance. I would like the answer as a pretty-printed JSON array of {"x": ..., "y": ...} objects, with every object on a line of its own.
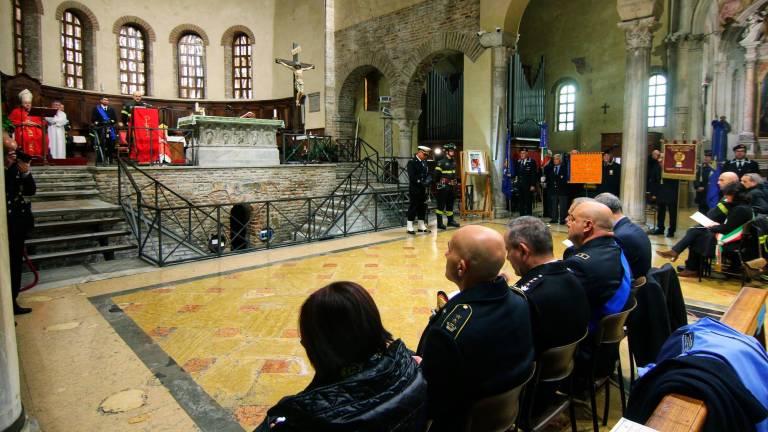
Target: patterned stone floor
[{"x": 212, "y": 345}]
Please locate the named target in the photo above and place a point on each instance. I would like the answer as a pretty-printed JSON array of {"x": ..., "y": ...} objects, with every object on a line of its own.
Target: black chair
[
  {"x": 554, "y": 365},
  {"x": 609, "y": 334},
  {"x": 496, "y": 413}
]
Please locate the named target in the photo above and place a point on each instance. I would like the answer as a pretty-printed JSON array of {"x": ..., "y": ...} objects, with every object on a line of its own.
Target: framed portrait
[{"x": 476, "y": 162}]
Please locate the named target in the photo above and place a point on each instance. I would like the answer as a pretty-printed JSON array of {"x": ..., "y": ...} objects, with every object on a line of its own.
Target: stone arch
[
  {"x": 229, "y": 34},
  {"x": 407, "y": 96},
  {"x": 352, "y": 72},
  {"x": 135, "y": 21},
  {"x": 182, "y": 29},
  {"x": 83, "y": 12}
]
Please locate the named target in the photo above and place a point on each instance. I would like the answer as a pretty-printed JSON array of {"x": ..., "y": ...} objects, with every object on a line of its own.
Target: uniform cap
[
  {"x": 739, "y": 147},
  {"x": 425, "y": 148}
]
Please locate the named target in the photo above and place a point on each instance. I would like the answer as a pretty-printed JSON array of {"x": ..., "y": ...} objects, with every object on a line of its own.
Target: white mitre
[{"x": 25, "y": 96}]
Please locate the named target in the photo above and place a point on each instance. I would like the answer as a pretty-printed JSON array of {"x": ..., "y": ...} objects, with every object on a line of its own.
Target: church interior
[{"x": 183, "y": 181}]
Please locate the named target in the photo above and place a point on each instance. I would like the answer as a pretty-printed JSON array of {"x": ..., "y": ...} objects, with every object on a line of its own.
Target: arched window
[
  {"x": 241, "y": 67},
  {"x": 72, "y": 44},
  {"x": 657, "y": 101},
  {"x": 131, "y": 45},
  {"x": 566, "y": 107},
  {"x": 191, "y": 67},
  {"x": 18, "y": 36}
]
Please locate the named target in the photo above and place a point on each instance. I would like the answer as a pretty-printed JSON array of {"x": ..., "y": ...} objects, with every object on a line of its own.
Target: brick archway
[
  {"x": 182, "y": 29},
  {"x": 83, "y": 10},
  {"x": 138, "y": 22},
  {"x": 229, "y": 34}
]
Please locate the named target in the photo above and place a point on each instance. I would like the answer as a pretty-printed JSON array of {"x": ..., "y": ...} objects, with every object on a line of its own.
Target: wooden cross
[{"x": 605, "y": 107}]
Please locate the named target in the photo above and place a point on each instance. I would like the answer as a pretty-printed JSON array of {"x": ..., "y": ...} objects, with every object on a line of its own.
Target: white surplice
[{"x": 57, "y": 142}]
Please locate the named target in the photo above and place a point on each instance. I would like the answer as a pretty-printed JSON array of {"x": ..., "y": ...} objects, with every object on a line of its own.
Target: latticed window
[
  {"x": 132, "y": 60},
  {"x": 18, "y": 36},
  {"x": 191, "y": 67},
  {"x": 657, "y": 101},
  {"x": 566, "y": 108},
  {"x": 72, "y": 45},
  {"x": 241, "y": 67}
]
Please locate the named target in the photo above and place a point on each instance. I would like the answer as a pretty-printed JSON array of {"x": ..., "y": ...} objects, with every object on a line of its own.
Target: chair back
[
  {"x": 611, "y": 329},
  {"x": 556, "y": 364},
  {"x": 497, "y": 413}
]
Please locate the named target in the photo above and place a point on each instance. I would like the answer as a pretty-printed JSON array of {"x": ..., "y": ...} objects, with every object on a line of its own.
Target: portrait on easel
[{"x": 476, "y": 162}]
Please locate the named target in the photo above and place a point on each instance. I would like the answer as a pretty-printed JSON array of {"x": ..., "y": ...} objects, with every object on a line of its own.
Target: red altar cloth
[
  {"x": 146, "y": 135},
  {"x": 29, "y": 138}
]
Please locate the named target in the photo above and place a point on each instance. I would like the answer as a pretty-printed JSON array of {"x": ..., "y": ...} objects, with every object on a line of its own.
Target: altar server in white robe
[{"x": 57, "y": 141}]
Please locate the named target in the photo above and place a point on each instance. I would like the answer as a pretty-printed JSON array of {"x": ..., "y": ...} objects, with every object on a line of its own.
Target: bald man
[
  {"x": 479, "y": 344},
  {"x": 597, "y": 260}
]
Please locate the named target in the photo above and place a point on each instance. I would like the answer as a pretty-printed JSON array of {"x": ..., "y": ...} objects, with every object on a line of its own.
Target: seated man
[
  {"x": 633, "y": 240},
  {"x": 758, "y": 199},
  {"x": 597, "y": 260},
  {"x": 479, "y": 344}
]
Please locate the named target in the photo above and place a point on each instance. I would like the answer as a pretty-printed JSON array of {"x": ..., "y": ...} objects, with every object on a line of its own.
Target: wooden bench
[{"x": 677, "y": 413}]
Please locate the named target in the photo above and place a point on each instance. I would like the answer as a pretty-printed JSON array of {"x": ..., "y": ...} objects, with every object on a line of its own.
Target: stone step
[
  {"x": 71, "y": 207},
  {"x": 61, "y": 178},
  {"x": 58, "y": 224},
  {"x": 66, "y": 195},
  {"x": 65, "y": 185},
  {"x": 73, "y": 237},
  {"x": 80, "y": 252}
]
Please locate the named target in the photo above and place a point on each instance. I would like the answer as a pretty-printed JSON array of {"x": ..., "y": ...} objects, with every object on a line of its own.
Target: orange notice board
[{"x": 586, "y": 168}]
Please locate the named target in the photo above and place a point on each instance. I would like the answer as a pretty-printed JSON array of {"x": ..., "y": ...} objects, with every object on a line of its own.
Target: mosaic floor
[{"x": 212, "y": 345}]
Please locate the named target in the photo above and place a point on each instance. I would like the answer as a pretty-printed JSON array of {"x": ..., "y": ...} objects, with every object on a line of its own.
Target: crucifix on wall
[
  {"x": 605, "y": 107},
  {"x": 298, "y": 69}
]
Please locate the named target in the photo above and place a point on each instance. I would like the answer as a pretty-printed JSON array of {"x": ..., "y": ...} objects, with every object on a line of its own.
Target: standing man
[
  {"x": 418, "y": 182},
  {"x": 740, "y": 164},
  {"x": 127, "y": 112},
  {"x": 527, "y": 175},
  {"x": 57, "y": 139},
  {"x": 445, "y": 177},
  {"x": 104, "y": 119},
  {"x": 18, "y": 184},
  {"x": 701, "y": 182},
  {"x": 666, "y": 201},
  {"x": 557, "y": 189},
  {"x": 611, "y": 175},
  {"x": 28, "y": 132}
]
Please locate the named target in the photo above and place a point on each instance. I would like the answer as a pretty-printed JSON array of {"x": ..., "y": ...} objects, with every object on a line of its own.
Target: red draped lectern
[{"x": 146, "y": 135}]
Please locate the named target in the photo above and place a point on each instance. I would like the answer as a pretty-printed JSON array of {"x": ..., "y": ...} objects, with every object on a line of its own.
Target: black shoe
[
  {"x": 440, "y": 224},
  {"x": 670, "y": 234},
  {"x": 657, "y": 231},
  {"x": 19, "y": 310},
  {"x": 425, "y": 230},
  {"x": 680, "y": 268},
  {"x": 453, "y": 223},
  {"x": 411, "y": 232}
]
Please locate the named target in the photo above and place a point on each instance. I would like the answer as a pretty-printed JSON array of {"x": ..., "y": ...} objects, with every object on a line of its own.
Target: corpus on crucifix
[{"x": 298, "y": 69}]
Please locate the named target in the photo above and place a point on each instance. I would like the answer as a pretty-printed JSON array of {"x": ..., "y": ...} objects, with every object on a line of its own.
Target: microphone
[{"x": 148, "y": 105}]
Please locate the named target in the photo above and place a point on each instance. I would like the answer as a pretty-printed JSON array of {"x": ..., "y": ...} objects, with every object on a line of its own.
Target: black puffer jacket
[{"x": 388, "y": 395}]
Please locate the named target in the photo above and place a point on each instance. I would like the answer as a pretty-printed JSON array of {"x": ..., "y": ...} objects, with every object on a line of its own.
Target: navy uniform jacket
[
  {"x": 636, "y": 246},
  {"x": 597, "y": 265},
  {"x": 654, "y": 177},
  {"x": 611, "y": 179},
  {"x": 417, "y": 173},
  {"x": 556, "y": 182},
  {"x": 703, "y": 172},
  {"x": 747, "y": 166},
  {"x": 478, "y": 345},
  {"x": 527, "y": 173},
  {"x": 559, "y": 306},
  {"x": 17, "y": 186}
]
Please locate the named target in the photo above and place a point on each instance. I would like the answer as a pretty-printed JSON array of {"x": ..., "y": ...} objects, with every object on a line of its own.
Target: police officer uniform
[
  {"x": 557, "y": 191},
  {"x": 741, "y": 166},
  {"x": 478, "y": 345},
  {"x": 558, "y": 304},
  {"x": 703, "y": 172},
  {"x": 418, "y": 181},
  {"x": 611, "y": 177},
  {"x": 527, "y": 175},
  {"x": 20, "y": 221},
  {"x": 446, "y": 181}
]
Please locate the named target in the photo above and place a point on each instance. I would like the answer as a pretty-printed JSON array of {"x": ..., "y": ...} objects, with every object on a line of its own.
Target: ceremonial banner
[
  {"x": 586, "y": 168},
  {"x": 146, "y": 136},
  {"x": 679, "y": 161}
]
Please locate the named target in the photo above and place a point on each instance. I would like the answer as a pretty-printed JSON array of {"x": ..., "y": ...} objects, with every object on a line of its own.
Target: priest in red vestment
[{"x": 29, "y": 129}]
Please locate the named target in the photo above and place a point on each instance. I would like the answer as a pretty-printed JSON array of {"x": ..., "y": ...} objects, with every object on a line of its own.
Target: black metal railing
[{"x": 302, "y": 148}]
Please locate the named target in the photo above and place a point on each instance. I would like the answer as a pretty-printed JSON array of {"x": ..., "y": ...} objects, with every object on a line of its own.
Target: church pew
[{"x": 679, "y": 413}]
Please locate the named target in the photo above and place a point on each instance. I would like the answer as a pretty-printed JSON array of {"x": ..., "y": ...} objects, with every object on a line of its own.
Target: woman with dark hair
[
  {"x": 700, "y": 241},
  {"x": 364, "y": 380}
]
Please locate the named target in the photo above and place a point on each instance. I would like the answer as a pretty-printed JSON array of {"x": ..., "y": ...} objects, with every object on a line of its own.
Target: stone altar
[{"x": 233, "y": 141}]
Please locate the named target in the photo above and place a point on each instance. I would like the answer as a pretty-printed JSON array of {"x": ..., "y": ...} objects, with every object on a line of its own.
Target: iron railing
[{"x": 302, "y": 148}]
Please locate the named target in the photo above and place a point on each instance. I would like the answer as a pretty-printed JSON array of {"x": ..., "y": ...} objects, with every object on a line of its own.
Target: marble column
[
  {"x": 405, "y": 137},
  {"x": 634, "y": 152},
  {"x": 747, "y": 135},
  {"x": 500, "y": 45}
]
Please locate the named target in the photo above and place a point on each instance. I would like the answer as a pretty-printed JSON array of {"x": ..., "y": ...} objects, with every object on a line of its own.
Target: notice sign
[
  {"x": 679, "y": 161},
  {"x": 586, "y": 168}
]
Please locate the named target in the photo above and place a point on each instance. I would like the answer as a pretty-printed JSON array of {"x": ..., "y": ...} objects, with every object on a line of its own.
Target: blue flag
[
  {"x": 509, "y": 170},
  {"x": 720, "y": 131}
]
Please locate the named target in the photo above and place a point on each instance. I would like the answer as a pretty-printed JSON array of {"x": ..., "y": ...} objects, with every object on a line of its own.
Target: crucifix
[
  {"x": 298, "y": 69},
  {"x": 605, "y": 107}
]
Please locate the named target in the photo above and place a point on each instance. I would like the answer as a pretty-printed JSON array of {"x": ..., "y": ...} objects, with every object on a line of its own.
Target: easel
[{"x": 485, "y": 179}]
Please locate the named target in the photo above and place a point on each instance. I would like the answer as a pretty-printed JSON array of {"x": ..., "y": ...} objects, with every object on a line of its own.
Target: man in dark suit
[
  {"x": 611, "y": 175},
  {"x": 757, "y": 196},
  {"x": 527, "y": 173},
  {"x": 557, "y": 189},
  {"x": 418, "y": 182},
  {"x": 103, "y": 119},
  {"x": 479, "y": 344},
  {"x": 701, "y": 182},
  {"x": 740, "y": 164},
  {"x": 666, "y": 201},
  {"x": 632, "y": 239}
]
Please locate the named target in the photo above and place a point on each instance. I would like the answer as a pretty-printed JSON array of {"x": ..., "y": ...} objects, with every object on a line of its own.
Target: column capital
[
  {"x": 497, "y": 39},
  {"x": 639, "y": 32},
  {"x": 405, "y": 114},
  {"x": 751, "y": 51},
  {"x": 404, "y": 123}
]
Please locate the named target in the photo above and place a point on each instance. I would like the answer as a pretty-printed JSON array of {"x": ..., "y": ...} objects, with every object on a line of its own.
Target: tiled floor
[{"x": 211, "y": 345}]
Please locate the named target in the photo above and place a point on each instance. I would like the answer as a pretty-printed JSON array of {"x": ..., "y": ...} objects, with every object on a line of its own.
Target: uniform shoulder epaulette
[
  {"x": 533, "y": 283},
  {"x": 582, "y": 255},
  {"x": 456, "y": 319},
  {"x": 520, "y": 292}
]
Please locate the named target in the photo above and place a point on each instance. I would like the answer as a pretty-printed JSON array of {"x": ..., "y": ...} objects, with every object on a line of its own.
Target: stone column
[
  {"x": 500, "y": 45},
  {"x": 331, "y": 110},
  {"x": 747, "y": 135},
  {"x": 405, "y": 137},
  {"x": 634, "y": 152}
]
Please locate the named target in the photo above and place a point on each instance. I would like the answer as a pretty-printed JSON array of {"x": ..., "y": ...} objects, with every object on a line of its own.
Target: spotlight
[{"x": 438, "y": 151}]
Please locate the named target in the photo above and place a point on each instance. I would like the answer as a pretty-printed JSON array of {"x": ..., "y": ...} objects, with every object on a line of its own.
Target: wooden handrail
[{"x": 677, "y": 413}]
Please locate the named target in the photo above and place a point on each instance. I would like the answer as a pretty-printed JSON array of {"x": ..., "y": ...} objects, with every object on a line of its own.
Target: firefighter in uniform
[{"x": 445, "y": 179}]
